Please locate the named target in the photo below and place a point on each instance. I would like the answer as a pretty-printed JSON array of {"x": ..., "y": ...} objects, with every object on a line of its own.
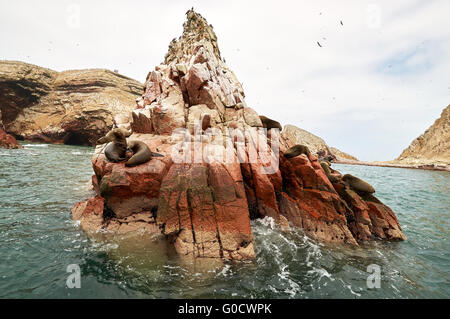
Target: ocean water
[{"x": 39, "y": 185}]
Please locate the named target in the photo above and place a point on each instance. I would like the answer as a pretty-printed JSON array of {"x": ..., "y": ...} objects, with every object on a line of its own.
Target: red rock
[
  {"x": 384, "y": 223},
  {"x": 317, "y": 217},
  {"x": 204, "y": 209},
  {"x": 129, "y": 190},
  {"x": 369, "y": 217},
  {"x": 8, "y": 141},
  {"x": 261, "y": 188},
  {"x": 196, "y": 78},
  {"x": 142, "y": 121},
  {"x": 152, "y": 87},
  {"x": 310, "y": 202},
  {"x": 89, "y": 213},
  {"x": 94, "y": 182}
]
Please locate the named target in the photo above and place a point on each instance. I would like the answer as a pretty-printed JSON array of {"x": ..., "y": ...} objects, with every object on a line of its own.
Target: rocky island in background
[
  {"x": 71, "y": 107},
  {"x": 432, "y": 148},
  {"x": 430, "y": 151}
]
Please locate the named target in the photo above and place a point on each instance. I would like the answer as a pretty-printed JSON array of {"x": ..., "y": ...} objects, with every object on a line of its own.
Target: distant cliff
[
  {"x": 342, "y": 155},
  {"x": 71, "y": 107},
  {"x": 432, "y": 147},
  {"x": 295, "y": 135},
  {"x": 7, "y": 140}
]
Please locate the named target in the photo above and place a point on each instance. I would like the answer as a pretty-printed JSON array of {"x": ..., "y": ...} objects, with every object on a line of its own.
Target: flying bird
[
  {"x": 318, "y": 44},
  {"x": 341, "y": 23}
]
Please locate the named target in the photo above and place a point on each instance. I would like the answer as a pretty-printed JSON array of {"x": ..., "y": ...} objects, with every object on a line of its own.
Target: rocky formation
[
  {"x": 294, "y": 135},
  {"x": 220, "y": 169},
  {"x": 71, "y": 107},
  {"x": 342, "y": 155},
  {"x": 432, "y": 147},
  {"x": 7, "y": 140}
]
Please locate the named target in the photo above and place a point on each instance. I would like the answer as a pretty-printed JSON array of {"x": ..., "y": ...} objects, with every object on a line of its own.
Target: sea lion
[
  {"x": 116, "y": 150},
  {"x": 327, "y": 158},
  {"x": 370, "y": 198},
  {"x": 329, "y": 172},
  {"x": 326, "y": 167},
  {"x": 269, "y": 123},
  {"x": 358, "y": 184},
  {"x": 141, "y": 153},
  {"x": 333, "y": 171},
  {"x": 206, "y": 122},
  {"x": 296, "y": 150}
]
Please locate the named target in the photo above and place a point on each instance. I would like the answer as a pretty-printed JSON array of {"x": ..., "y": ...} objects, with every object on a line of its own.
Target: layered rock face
[
  {"x": 7, "y": 140},
  {"x": 220, "y": 167},
  {"x": 432, "y": 147},
  {"x": 342, "y": 155},
  {"x": 71, "y": 107},
  {"x": 294, "y": 135}
]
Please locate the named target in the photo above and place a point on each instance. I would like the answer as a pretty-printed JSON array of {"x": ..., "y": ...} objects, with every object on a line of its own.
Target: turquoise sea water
[{"x": 39, "y": 240}]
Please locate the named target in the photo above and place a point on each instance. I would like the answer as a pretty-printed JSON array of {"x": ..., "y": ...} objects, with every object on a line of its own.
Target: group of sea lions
[
  {"x": 118, "y": 146},
  {"x": 358, "y": 185}
]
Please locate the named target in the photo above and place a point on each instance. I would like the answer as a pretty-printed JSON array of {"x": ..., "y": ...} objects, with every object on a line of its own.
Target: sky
[{"x": 376, "y": 82}]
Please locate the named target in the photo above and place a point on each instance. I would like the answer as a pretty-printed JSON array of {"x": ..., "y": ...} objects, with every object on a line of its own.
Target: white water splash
[{"x": 35, "y": 145}]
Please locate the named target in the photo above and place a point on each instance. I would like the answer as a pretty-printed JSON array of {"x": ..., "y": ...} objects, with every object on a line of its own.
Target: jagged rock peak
[{"x": 195, "y": 29}]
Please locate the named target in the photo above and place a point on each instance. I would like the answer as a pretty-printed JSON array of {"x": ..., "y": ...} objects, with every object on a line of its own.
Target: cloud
[{"x": 378, "y": 81}]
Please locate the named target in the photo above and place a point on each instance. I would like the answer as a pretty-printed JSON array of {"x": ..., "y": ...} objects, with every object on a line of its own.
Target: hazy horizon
[{"x": 377, "y": 81}]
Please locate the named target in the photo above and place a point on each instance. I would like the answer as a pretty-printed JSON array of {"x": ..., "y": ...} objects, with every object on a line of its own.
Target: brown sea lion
[
  {"x": 329, "y": 172},
  {"x": 325, "y": 161},
  {"x": 206, "y": 122},
  {"x": 141, "y": 153},
  {"x": 370, "y": 198},
  {"x": 358, "y": 184},
  {"x": 326, "y": 167},
  {"x": 269, "y": 123},
  {"x": 296, "y": 150},
  {"x": 327, "y": 158},
  {"x": 333, "y": 171},
  {"x": 116, "y": 150}
]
